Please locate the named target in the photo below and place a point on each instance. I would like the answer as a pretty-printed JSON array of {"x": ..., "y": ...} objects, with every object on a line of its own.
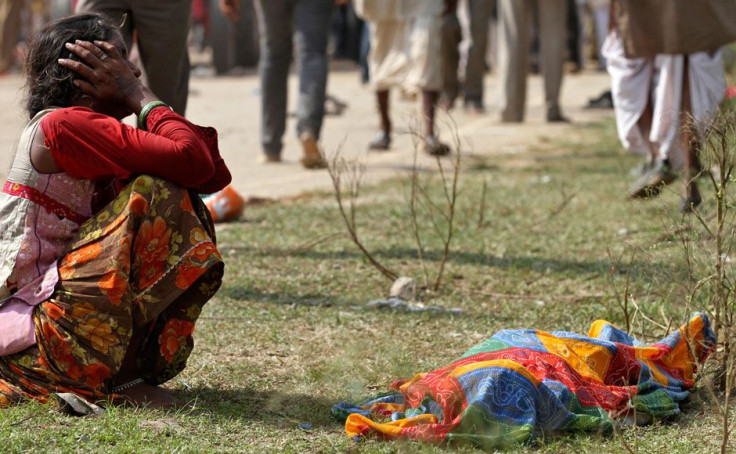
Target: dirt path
[{"x": 232, "y": 105}]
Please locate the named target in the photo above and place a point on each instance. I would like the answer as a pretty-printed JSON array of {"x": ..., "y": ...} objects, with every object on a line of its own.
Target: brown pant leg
[
  {"x": 513, "y": 61},
  {"x": 553, "y": 40},
  {"x": 9, "y": 29}
]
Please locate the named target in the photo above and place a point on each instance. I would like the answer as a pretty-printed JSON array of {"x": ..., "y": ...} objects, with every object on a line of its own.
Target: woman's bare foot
[{"x": 148, "y": 396}]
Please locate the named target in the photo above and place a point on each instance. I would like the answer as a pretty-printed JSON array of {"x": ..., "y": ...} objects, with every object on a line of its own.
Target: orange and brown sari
[{"x": 143, "y": 266}]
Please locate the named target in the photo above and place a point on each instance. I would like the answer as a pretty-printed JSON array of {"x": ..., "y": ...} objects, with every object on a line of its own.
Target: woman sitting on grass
[{"x": 107, "y": 254}]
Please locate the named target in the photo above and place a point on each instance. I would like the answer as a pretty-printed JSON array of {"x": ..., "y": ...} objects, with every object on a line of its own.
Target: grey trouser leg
[
  {"x": 312, "y": 20},
  {"x": 275, "y": 28},
  {"x": 479, "y": 12},
  {"x": 552, "y": 38},
  {"x": 451, "y": 36},
  {"x": 513, "y": 22},
  {"x": 9, "y": 29},
  {"x": 280, "y": 21},
  {"x": 162, "y": 28}
]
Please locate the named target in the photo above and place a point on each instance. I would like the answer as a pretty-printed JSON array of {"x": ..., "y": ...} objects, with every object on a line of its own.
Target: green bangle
[{"x": 143, "y": 116}]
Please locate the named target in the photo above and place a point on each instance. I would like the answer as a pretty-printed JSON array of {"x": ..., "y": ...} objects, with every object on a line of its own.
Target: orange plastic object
[{"x": 225, "y": 205}]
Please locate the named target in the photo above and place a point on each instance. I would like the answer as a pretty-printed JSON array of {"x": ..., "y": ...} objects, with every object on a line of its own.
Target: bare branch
[{"x": 337, "y": 168}]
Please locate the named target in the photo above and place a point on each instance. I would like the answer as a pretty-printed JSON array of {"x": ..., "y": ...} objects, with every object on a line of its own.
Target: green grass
[{"x": 290, "y": 334}]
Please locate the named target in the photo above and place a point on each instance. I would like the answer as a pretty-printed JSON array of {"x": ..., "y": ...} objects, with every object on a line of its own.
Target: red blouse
[{"x": 88, "y": 145}]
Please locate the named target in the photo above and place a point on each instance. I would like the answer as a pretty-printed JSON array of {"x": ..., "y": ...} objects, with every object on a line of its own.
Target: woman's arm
[
  {"x": 93, "y": 146},
  {"x": 221, "y": 176},
  {"x": 87, "y": 142}
]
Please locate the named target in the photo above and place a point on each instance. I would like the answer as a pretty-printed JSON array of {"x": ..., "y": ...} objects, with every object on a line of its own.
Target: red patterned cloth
[
  {"x": 143, "y": 267},
  {"x": 92, "y": 146}
]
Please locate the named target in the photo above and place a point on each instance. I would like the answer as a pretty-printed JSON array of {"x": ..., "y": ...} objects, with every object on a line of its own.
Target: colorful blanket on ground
[{"x": 521, "y": 384}]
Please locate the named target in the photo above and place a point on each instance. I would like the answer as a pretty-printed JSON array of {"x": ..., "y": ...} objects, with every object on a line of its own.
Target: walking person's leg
[
  {"x": 479, "y": 12},
  {"x": 661, "y": 122},
  {"x": 311, "y": 27},
  {"x": 553, "y": 33},
  {"x": 691, "y": 197},
  {"x": 425, "y": 74},
  {"x": 600, "y": 21},
  {"x": 451, "y": 37},
  {"x": 9, "y": 29},
  {"x": 275, "y": 29},
  {"x": 162, "y": 30},
  {"x": 386, "y": 60},
  {"x": 513, "y": 22}
]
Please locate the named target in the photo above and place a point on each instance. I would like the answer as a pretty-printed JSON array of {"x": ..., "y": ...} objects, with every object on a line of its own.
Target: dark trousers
[
  {"x": 283, "y": 25},
  {"x": 162, "y": 28},
  {"x": 479, "y": 13}
]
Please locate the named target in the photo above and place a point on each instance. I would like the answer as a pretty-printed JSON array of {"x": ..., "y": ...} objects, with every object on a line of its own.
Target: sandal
[
  {"x": 381, "y": 142},
  {"x": 434, "y": 147},
  {"x": 651, "y": 183}
]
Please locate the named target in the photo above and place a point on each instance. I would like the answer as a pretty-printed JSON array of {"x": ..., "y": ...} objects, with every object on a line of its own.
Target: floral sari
[{"x": 143, "y": 266}]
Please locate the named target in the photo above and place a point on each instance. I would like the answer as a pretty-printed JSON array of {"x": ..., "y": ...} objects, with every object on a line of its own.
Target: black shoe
[
  {"x": 474, "y": 106},
  {"x": 651, "y": 183},
  {"x": 604, "y": 101},
  {"x": 554, "y": 115},
  {"x": 434, "y": 147},
  {"x": 559, "y": 118},
  {"x": 382, "y": 142}
]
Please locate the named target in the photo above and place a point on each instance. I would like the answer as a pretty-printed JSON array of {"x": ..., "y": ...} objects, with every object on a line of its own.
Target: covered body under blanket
[{"x": 520, "y": 384}]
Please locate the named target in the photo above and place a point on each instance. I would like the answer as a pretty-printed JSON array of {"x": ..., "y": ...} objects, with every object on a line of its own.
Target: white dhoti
[
  {"x": 406, "y": 53},
  {"x": 406, "y": 43},
  {"x": 637, "y": 82}
]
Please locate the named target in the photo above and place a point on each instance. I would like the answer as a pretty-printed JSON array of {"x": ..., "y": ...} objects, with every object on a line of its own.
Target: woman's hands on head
[{"x": 106, "y": 74}]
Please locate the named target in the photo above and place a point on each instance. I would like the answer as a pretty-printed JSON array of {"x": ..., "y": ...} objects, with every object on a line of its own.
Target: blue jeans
[{"x": 284, "y": 25}]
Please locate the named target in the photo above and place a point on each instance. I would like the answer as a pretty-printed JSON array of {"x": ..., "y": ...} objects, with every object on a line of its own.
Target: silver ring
[{"x": 104, "y": 56}]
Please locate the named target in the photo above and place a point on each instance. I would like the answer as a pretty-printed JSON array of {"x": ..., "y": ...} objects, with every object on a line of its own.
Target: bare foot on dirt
[{"x": 148, "y": 396}]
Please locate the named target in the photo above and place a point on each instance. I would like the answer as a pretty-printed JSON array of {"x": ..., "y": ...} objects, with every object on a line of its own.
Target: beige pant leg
[
  {"x": 552, "y": 39},
  {"x": 9, "y": 30},
  {"x": 513, "y": 45}
]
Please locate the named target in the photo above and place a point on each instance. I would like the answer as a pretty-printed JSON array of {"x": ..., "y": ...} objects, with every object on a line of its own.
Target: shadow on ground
[
  {"x": 272, "y": 407},
  {"x": 530, "y": 262}
]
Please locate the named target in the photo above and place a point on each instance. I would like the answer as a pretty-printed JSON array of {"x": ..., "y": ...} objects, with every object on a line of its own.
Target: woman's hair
[{"x": 48, "y": 83}]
